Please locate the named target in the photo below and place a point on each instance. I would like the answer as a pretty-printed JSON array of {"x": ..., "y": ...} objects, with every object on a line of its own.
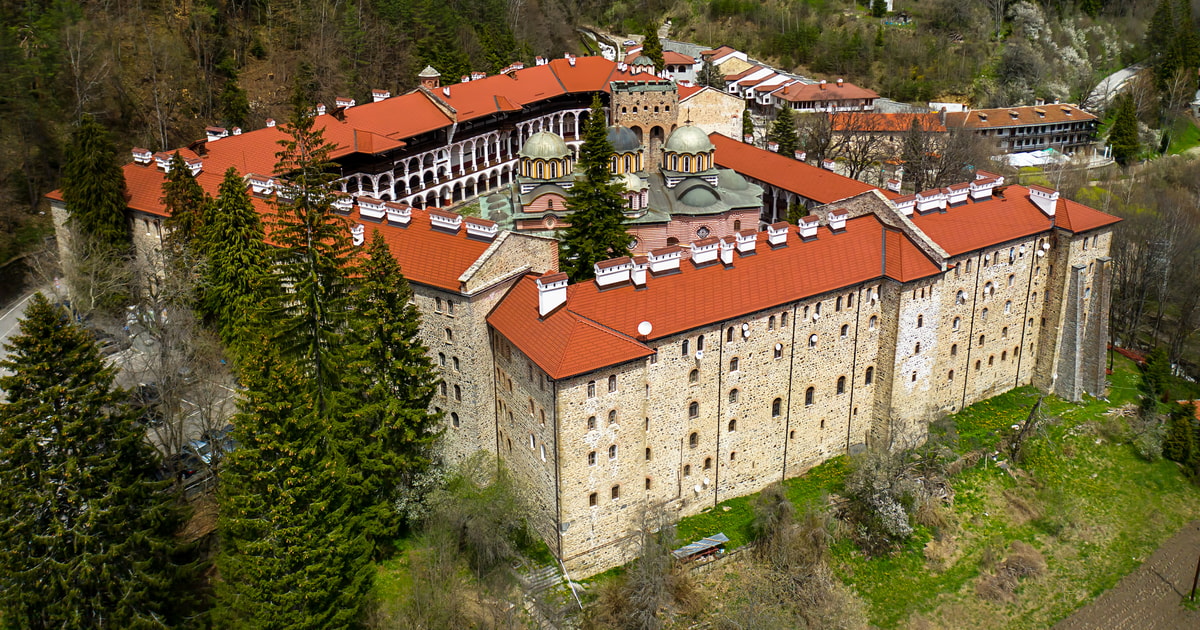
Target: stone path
[{"x": 1149, "y": 598}]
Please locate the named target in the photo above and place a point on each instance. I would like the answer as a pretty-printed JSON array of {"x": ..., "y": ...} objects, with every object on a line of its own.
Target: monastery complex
[{"x": 733, "y": 349}]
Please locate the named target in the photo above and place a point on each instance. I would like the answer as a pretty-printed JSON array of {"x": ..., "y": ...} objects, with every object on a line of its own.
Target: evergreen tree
[
  {"x": 596, "y": 231},
  {"x": 292, "y": 553},
  {"x": 1179, "y": 446},
  {"x": 711, "y": 76},
  {"x": 86, "y": 536},
  {"x": 185, "y": 202},
  {"x": 395, "y": 379},
  {"x": 652, "y": 48},
  {"x": 783, "y": 131},
  {"x": 236, "y": 282},
  {"x": 313, "y": 257},
  {"x": 235, "y": 104},
  {"x": 1123, "y": 136},
  {"x": 747, "y": 124},
  {"x": 93, "y": 189},
  {"x": 878, "y": 8}
]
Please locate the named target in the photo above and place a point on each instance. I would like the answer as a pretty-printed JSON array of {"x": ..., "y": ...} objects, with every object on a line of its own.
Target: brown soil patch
[{"x": 203, "y": 519}]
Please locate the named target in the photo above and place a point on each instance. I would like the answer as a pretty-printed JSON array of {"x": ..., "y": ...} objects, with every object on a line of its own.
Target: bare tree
[
  {"x": 859, "y": 141},
  {"x": 815, "y": 135}
]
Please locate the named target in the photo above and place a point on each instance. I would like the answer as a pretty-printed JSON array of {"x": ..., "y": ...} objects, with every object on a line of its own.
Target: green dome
[
  {"x": 545, "y": 145},
  {"x": 623, "y": 140},
  {"x": 730, "y": 180},
  {"x": 698, "y": 197},
  {"x": 688, "y": 140},
  {"x": 643, "y": 60}
]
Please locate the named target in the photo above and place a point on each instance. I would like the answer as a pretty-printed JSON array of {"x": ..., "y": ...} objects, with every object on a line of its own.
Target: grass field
[{"x": 1184, "y": 135}]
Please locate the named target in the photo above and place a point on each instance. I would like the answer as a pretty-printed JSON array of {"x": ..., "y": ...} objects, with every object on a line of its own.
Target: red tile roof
[
  {"x": 687, "y": 91},
  {"x": 1017, "y": 116},
  {"x": 605, "y": 322},
  {"x": 872, "y": 121},
  {"x": 815, "y": 92},
  {"x": 404, "y": 116},
  {"x": 670, "y": 57},
  {"x": 818, "y": 184},
  {"x": 980, "y": 224}
]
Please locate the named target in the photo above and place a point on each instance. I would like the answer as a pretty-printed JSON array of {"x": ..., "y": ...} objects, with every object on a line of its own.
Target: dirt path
[{"x": 1148, "y": 598}]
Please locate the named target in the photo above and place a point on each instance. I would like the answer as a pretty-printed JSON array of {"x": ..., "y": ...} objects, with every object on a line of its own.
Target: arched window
[
  {"x": 956, "y": 323},
  {"x": 612, "y": 452},
  {"x": 694, "y": 409},
  {"x": 776, "y": 407},
  {"x": 981, "y": 340},
  {"x": 700, "y": 343},
  {"x": 591, "y": 422},
  {"x": 1004, "y": 333},
  {"x": 733, "y": 395},
  {"x": 592, "y": 500},
  {"x": 778, "y": 351},
  {"x": 950, "y": 377},
  {"x": 1004, "y": 355},
  {"x": 729, "y": 334},
  {"x": 442, "y": 388},
  {"x": 841, "y": 385},
  {"x": 991, "y": 360},
  {"x": 983, "y": 314},
  {"x": 455, "y": 363},
  {"x": 616, "y": 492},
  {"x": 612, "y": 383},
  {"x": 707, "y": 463},
  {"x": 647, "y": 453},
  {"x": 592, "y": 458},
  {"x": 838, "y": 305},
  {"x": 454, "y": 419},
  {"x": 449, "y": 336},
  {"x": 961, "y": 296},
  {"x": 457, "y": 393},
  {"x": 540, "y": 169},
  {"x": 441, "y": 359},
  {"x": 845, "y": 330},
  {"x": 687, "y": 164},
  {"x": 812, "y": 341},
  {"x": 732, "y": 425},
  {"x": 917, "y": 348},
  {"x": 871, "y": 323},
  {"x": 810, "y": 395},
  {"x": 850, "y": 300},
  {"x": 612, "y": 416},
  {"x": 685, "y": 347},
  {"x": 977, "y": 365},
  {"x": 694, "y": 376},
  {"x": 954, "y": 350},
  {"x": 591, "y": 389},
  {"x": 694, "y": 440},
  {"x": 737, "y": 225},
  {"x": 920, "y": 321},
  {"x": 783, "y": 319},
  {"x": 733, "y": 364},
  {"x": 1008, "y": 307},
  {"x": 771, "y": 323}
]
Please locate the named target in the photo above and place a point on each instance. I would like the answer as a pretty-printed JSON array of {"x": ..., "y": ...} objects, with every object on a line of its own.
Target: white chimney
[
  {"x": 215, "y": 133},
  {"x": 746, "y": 241},
  {"x": 1045, "y": 198},
  {"x": 827, "y": 164},
  {"x": 808, "y": 226},
  {"x": 840, "y": 83},
  {"x": 893, "y": 185},
  {"x": 270, "y": 122},
  {"x": 320, "y": 109},
  {"x": 237, "y": 131},
  {"x": 343, "y": 203},
  {"x": 397, "y": 213},
  {"x": 142, "y": 156},
  {"x": 905, "y": 204},
  {"x": 837, "y": 219},
  {"x": 705, "y": 250},
  {"x": 748, "y": 138},
  {"x": 957, "y": 193},
  {"x": 481, "y": 229},
  {"x": 777, "y": 234},
  {"x": 552, "y": 292},
  {"x": 466, "y": 78},
  {"x": 933, "y": 199},
  {"x": 728, "y": 244},
  {"x": 613, "y": 271},
  {"x": 358, "y": 235},
  {"x": 982, "y": 188},
  {"x": 380, "y": 95},
  {"x": 445, "y": 220},
  {"x": 261, "y": 185},
  {"x": 195, "y": 165},
  {"x": 801, "y": 155},
  {"x": 773, "y": 147},
  {"x": 370, "y": 207},
  {"x": 665, "y": 259},
  {"x": 638, "y": 273},
  {"x": 540, "y": 61},
  {"x": 986, "y": 175},
  {"x": 344, "y": 101}
]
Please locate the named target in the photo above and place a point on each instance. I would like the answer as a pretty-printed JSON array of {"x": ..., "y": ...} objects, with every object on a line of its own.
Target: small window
[
  {"x": 1011, "y": 279},
  {"x": 954, "y": 350},
  {"x": 687, "y": 470},
  {"x": 991, "y": 360},
  {"x": 1004, "y": 333},
  {"x": 700, "y": 343},
  {"x": 441, "y": 359},
  {"x": 870, "y": 376},
  {"x": 693, "y": 410},
  {"x": 783, "y": 320},
  {"x": 616, "y": 492},
  {"x": 612, "y": 383},
  {"x": 449, "y": 336},
  {"x": 437, "y": 305},
  {"x": 453, "y": 419},
  {"x": 694, "y": 376},
  {"x": 592, "y": 500},
  {"x": 450, "y": 307},
  {"x": 1004, "y": 355},
  {"x": 732, "y": 425},
  {"x": 543, "y": 450},
  {"x": 647, "y": 483},
  {"x": 960, "y": 297},
  {"x": 454, "y": 360},
  {"x": 591, "y": 422},
  {"x": 532, "y": 441},
  {"x": 707, "y": 463},
  {"x": 612, "y": 452},
  {"x": 685, "y": 347},
  {"x": 850, "y": 300},
  {"x": 917, "y": 349},
  {"x": 920, "y": 321},
  {"x": 837, "y": 307},
  {"x": 733, "y": 364},
  {"x": 591, "y": 389},
  {"x": 771, "y": 323},
  {"x": 776, "y": 407},
  {"x": 778, "y": 351},
  {"x": 978, "y": 364},
  {"x": 841, "y": 385},
  {"x": 956, "y": 324},
  {"x": 457, "y": 393},
  {"x": 983, "y": 314},
  {"x": 442, "y": 388},
  {"x": 729, "y": 334},
  {"x": 845, "y": 330},
  {"x": 612, "y": 416},
  {"x": 871, "y": 323},
  {"x": 968, "y": 266},
  {"x": 647, "y": 453},
  {"x": 810, "y": 395},
  {"x": 733, "y": 395},
  {"x": 694, "y": 440},
  {"x": 950, "y": 376},
  {"x": 914, "y": 376},
  {"x": 981, "y": 340},
  {"x": 733, "y": 454},
  {"x": 812, "y": 341}
]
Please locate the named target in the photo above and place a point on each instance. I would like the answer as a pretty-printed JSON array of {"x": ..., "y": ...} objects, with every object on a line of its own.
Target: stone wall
[
  {"x": 651, "y": 110},
  {"x": 714, "y": 111}
]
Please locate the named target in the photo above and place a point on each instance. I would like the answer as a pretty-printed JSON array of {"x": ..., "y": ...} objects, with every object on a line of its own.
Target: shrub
[
  {"x": 1023, "y": 561},
  {"x": 1178, "y": 445}
]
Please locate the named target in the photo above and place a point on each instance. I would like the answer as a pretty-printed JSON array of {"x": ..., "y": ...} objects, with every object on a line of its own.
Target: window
[
  {"x": 694, "y": 440},
  {"x": 454, "y": 360},
  {"x": 450, "y": 307},
  {"x": 841, "y": 385},
  {"x": 733, "y": 395},
  {"x": 1033, "y": 298},
  {"x": 817, "y": 309},
  {"x": 707, "y": 463},
  {"x": 729, "y": 335},
  {"x": 733, "y": 364},
  {"x": 687, "y": 470},
  {"x": 449, "y": 336},
  {"x": 977, "y": 365},
  {"x": 542, "y": 414},
  {"x": 960, "y": 297},
  {"x": 1004, "y": 355},
  {"x": 612, "y": 452},
  {"x": 920, "y": 321},
  {"x": 809, "y": 395},
  {"x": 700, "y": 343},
  {"x": 591, "y": 422},
  {"x": 812, "y": 341},
  {"x": 771, "y": 323},
  {"x": 457, "y": 393},
  {"x": 616, "y": 492},
  {"x": 778, "y": 351},
  {"x": 956, "y": 323},
  {"x": 647, "y": 483},
  {"x": 845, "y": 330},
  {"x": 983, "y": 314},
  {"x": 612, "y": 383},
  {"x": 954, "y": 350},
  {"x": 591, "y": 389},
  {"x": 917, "y": 349},
  {"x": 685, "y": 347},
  {"x": 870, "y": 376},
  {"x": 950, "y": 376},
  {"x": 776, "y": 407},
  {"x": 838, "y": 305},
  {"x": 991, "y": 360},
  {"x": 914, "y": 377},
  {"x": 442, "y": 388},
  {"x": 783, "y": 320},
  {"x": 612, "y": 416},
  {"x": 850, "y": 300},
  {"x": 694, "y": 376},
  {"x": 647, "y": 453},
  {"x": 981, "y": 340},
  {"x": 543, "y": 451},
  {"x": 1008, "y": 307},
  {"x": 532, "y": 441},
  {"x": 453, "y": 419},
  {"x": 733, "y": 454},
  {"x": 732, "y": 426},
  {"x": 968, "y": 266},
  {"x": 1004, "y": 333},
  {"x": 872, "y": 322},
  {"x": 592, "y": 500},
  {"x": 693, "y": 410},
  {"x": 437, "y": 305},
  {"x": 1011, "y": 279},
  {"x": 441, "y": 359}
]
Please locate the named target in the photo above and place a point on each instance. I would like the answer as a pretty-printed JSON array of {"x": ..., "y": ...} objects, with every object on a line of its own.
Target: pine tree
[
  {"x": 235, "y": 104},
  {"x": 1178, "y": 445},
  {"x": 185, "y": 203},
  {"x": 86, "y": 536},
  {"x": 292, "y": 553},
  {"x": 93, "y": 189},
  {"x": 878, "y": 8},
  {"x": 313, "y": 257},
  {"x": 596, "y": 231},
  {"x": 237, "y": 281},
  {"x": 1123, "y": 136},
  {"x": 394, "y": 377},
  {"x": 783, "y": 131},
  {"x": 747, "y": 124},
  {"x": 652, "y": 49}
]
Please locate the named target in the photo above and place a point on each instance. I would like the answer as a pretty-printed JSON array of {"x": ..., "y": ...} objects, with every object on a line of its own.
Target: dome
[
  {"x": 643, "y": 60},
  {"x": 730, "y": 180},
  {"x": 688, "y": 140},
  {"x": 622, "y": 139},
  {"x": 545, "y": 145},
  {"x": 631, "y": 182},
  {"x": 698, "y": 197}
]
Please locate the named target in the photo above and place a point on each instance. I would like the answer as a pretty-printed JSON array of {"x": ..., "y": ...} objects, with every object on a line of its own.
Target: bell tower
[{"x": 430, "y": 79}]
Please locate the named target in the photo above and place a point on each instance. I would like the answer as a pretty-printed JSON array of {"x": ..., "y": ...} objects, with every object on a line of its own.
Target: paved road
[
  {"x": 9, "y": 323},
  {"x": 1110, "y": 87}
]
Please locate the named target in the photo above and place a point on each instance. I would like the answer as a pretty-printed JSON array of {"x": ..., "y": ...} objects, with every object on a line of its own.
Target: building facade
[{"x": 1064, "y": 127}]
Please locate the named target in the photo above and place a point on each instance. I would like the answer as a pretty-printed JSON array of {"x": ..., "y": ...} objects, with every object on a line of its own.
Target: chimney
[
  {"x": 270, "y": 122},
  {"x": 822, "y": 84},
  {"x": 344, "y": 102},
  {"x": 237, "y": 131},
  {"x": 808, "y": 227},
  {"x": 840, "y": 83},
  {"x": 539, "y": 61},
  {"x": 638, "y": 273},
  {"x": 195, "y": 165},
  {"x": 142, "y": 156},
  {"x": 343, "y": 203},
  {"x": 773, "y": 147},
  {"x": 801, "y": 155},
  {"x": 933, "y": 199},
  {"x": 260, "y": 185},
  {"x": 481, "y": 229},
  {"x": 957, "y": 193},
  {"x": 162, "y": 160},
  {"x": 612, "y": 272},
  {"x": 518, "y": 65},
  {"x": 464, "y": 79},
  {"x": 380, "y": 95},
  {"x": 905, "y": 204},
  {"x": 440, "y": 219},
  {"x": 777, "y": 234},
  {"x": 358, "y": 235},
  {"x": 1045, "y": 198},
  {"x": 893, "y": 185},
  {"x": 397, "y": 213},
  {"x": 215, "y": 133},
  {"x": 370, "y": 208},
  {"x": 748, "y": 139},
  {"x": 728, "y": 244},
  {"x": 446, "y": 91},
  {"x": 320, "y": 109},
  {"x": 705, "y": 251},
  {"x": 746, "y": 242},
  {"x": 571, "y": 60},
  {"x": 665, "y": 259},
  {"x": 475, "y": 76},
  {"x": 827, "y": 164},
  {"x": 985, "y": 175},
  {"x": 552, "y": 292},
  {"x": 837, "y": 220},
  {"x": 982, "y": 188}
]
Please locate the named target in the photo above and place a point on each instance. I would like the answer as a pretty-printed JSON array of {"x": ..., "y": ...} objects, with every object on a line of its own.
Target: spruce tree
[
  {"x": 878, "y": 8},
  {"x": 783, "y": 131},
  {"x": 652, "y": 48},
  {"x": 1123, "y": 136},
  {"x": 395, "y": 379},
  {"x": 596, "y": 231},
  {"x": 747, "y": 124},
  {"x": 1178, "y": 445},
  {"x": 86, "y": 535},
  {"x": 93, "y": 188},
  {"x": 236, "y": 281},
  {"x": 185, "y": 203},
  {"x": 292, "y": 553}
]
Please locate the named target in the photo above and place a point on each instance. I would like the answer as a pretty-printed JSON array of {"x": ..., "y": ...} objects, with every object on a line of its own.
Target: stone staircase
[{"x": 539, "y": 579}]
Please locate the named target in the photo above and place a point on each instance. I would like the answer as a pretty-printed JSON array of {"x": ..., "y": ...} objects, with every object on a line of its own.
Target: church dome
[
  {"x": 688, "y": 140},
  {"x": 631, "y": 182},
  {"x": 643, "y": 60},
  {"x": 623, "y": 140},
  {"x": 546, "y": 146},
  {"x": 731, "y": 180},
  {"x": 698, "y": 197}
]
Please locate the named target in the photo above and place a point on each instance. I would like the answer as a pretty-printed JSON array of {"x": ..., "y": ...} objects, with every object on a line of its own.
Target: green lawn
[{"x": 1184, "y": 135}]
